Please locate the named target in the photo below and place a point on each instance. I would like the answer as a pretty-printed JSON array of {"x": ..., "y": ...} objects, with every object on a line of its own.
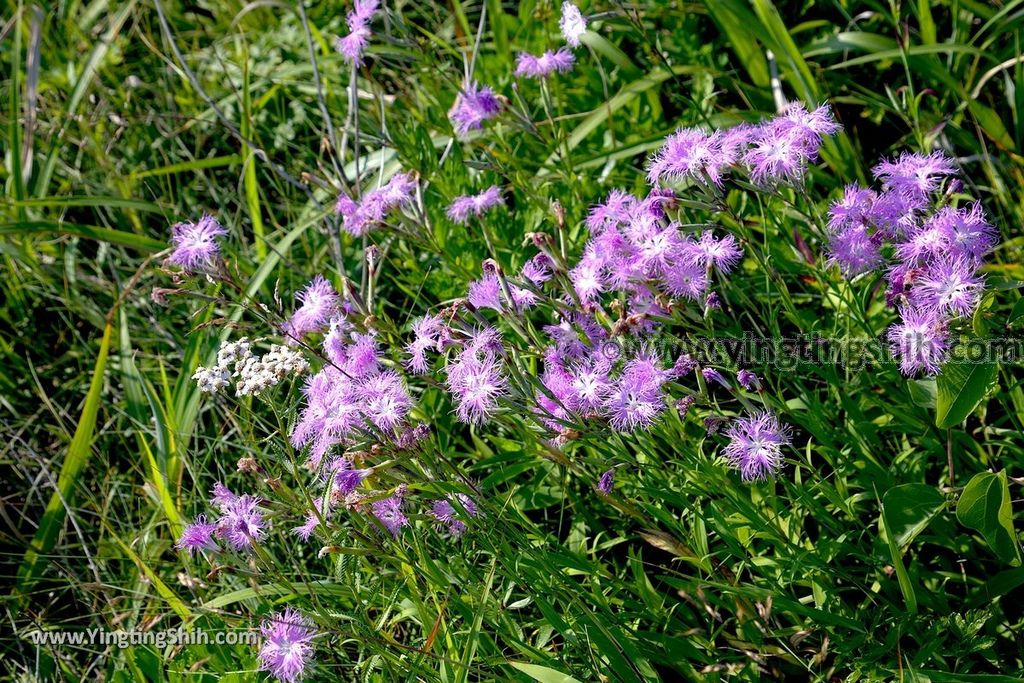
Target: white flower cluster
[{"x": 254, "y": 373}]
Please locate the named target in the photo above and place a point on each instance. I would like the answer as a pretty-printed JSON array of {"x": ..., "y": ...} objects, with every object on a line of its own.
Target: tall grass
[{"x": 122, "y": 118}]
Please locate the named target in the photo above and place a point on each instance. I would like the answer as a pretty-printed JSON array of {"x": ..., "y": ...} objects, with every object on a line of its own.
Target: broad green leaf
[
  {"x": 985, "y": 507},
  {"x": 612, "y": 53},
  {"x": 736, "y": 21},
  {"x": 961, "y": 387},
  {"x": 908, "y": 509},
  {"x": 923, "y": 392},
  {"x": 924, "y": 19},
  {"x": 991, "y": 123},
  {"x": 543, "y": 673},
  {"x": 1017, "y": 313}
]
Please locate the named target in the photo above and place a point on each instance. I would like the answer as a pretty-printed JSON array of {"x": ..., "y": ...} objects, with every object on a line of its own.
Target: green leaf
[
  {"x": 601, "y": 114},
  {"x": 543, "y": 673},
  {"x": 923, "y": 392},
  {"x": 1017, "y": 313},
  {"x": 106, "y": 202},
  {"x": 908, "y": 509},
  {"x": 985, "y": 507},
  {"x": 77, "y": 456},
  {"x": 961, "y": 387},
  {"x": 736, "y": 21},
  {"x": 189, "y": 166},
  {"x": 992, "y": 124},
  {"x": 83, "y": 80},
  {"x": 146, "y": 245},
  {"x": 162, "y": 589},
  {"x": 906, "y": 586}
]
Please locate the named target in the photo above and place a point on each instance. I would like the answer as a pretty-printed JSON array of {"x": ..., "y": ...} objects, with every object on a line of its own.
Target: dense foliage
[{"x": 497, "y": 341}]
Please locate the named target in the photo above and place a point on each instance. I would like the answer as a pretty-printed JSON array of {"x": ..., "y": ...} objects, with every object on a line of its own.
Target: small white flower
[
  {"x": 211, "y": 380},
  {"x": 573, "y": 24},
  {"x": 254, "y": 374}
]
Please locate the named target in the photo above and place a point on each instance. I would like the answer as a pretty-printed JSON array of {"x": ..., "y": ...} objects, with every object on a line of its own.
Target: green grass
[{"x": 869, "y": 560}]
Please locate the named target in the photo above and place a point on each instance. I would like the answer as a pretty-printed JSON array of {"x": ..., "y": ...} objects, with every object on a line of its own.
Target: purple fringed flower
[
  {"x": 915, "y": 174},
  {"x": 465, "y": 206},
  {"x": 572, "y": 24},
  {"x": 312, "y": 519},
  {"x": 195, "y": 244},
  {"x": 807, "y": 128},
  {"x": 948, "y": 288},
  {"x": 472, "y": 107},
  {"x": 895, "y": 213},
  {"x": 361, "y": 357},
  {"x": 689, "y": 153},
  {"x": 783, "y": 147},
  {"x": 615, "y": 210},
  {"x": 287, "y": 648},
  {"x": 636, "y": 398},
  {"x": 970, "y": 235},
  {"x": 684, "y": 365},
  {"x": 775, "y": 158},
  {"x": 197, "y": 536},
  {"x": 427, "y": 333},
  {"x": 748, "y": 380},
  {"x": 853, "y": 249},
  {"x": 588, "y": 279},
  {"x": 354, "y": 44},
  {"x": 241, "y": 523},
  {"x": 722, "y": 253},
  {"x": 485, "y": 292},
  {"x": 755, "y": 445},
  {"x": 346, "y": 398},
  {"x": 359, "y": 217},
  {"x": 542, "y": 66},
  {"x": 342, "y": 479},
  {"x": 929, "y": 242},
  {"x": 319, "y": 304},
  {"x": 589, "y": 386},
  {"x": 853, "y": 208},
  {"x": 221, "y": 496},
  {"x": 385, "y": 399},
  {"x": 851, "y": 245},
  {"x": 537, "y": 270},
  {"x": 447, "y": 514},
  {"x": 476, "y": 383},
  {"x": 712, "y": 375},
  {"x": 687, "y": 278},
  {"x": 920, "y": 341},
  {"x": 388, "y": 512},
  {"x": 606, "y": 482},
  {"x": 306, "y": 529}
]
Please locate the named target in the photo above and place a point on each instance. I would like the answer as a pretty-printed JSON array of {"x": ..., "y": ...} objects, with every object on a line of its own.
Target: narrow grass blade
[
  {"x": 189, "y": 166},
  {"x": 74, "y": 463},
  {"x": 162, "y": 589},
  {"x": 146, "y": 245}
]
